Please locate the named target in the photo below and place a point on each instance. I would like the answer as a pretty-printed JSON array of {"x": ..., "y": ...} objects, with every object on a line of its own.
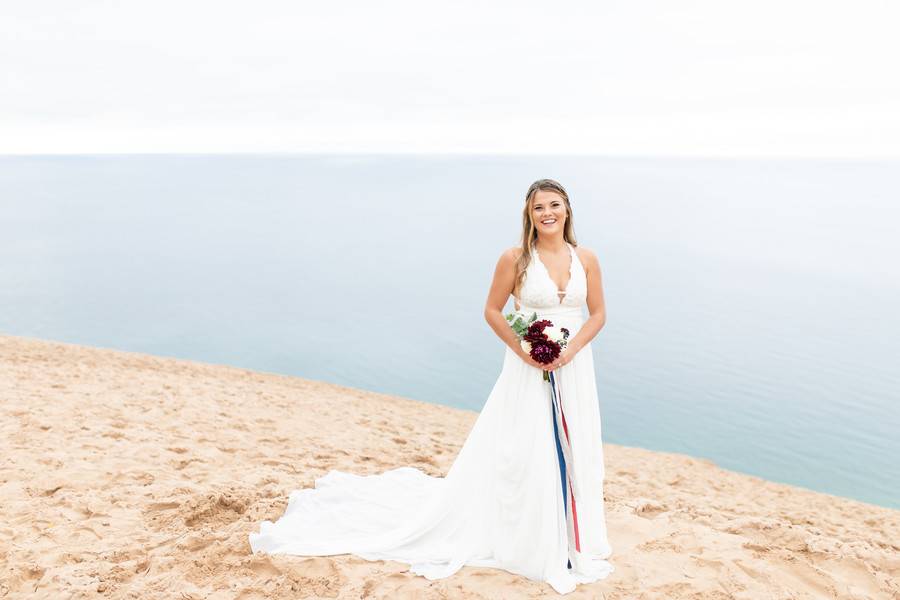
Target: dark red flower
[
  {"x": 537, "y": 328},
  {"x": 535, "y": 333},
  {"x": 535, "y": 339},
  {"x": 545, "y": 351}
]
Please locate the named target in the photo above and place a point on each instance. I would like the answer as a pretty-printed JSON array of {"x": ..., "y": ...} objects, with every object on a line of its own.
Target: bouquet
[{"x": 542, "y": 340}]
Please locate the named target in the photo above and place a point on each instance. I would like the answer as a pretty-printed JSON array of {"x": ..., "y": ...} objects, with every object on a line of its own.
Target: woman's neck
[{"x": 552, "y": 245}]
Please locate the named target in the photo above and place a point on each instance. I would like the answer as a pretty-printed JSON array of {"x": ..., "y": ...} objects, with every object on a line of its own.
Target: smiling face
[{"x": 548, "y": 212}]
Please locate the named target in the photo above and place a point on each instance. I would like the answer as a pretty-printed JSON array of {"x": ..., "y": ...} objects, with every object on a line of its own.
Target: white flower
[
  {"x": 554, "y": 333},
  {"x": 526, "y": 346}
]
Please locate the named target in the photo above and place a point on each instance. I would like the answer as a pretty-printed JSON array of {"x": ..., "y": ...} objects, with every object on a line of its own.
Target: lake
[{"x": 752, "y": 304}]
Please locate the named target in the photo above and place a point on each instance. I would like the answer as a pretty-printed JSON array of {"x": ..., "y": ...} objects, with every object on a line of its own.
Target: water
[{"x": 752, "y": 305}]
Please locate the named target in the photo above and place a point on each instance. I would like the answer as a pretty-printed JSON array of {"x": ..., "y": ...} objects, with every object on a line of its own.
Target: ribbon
[{"x": 566, "y": 465}]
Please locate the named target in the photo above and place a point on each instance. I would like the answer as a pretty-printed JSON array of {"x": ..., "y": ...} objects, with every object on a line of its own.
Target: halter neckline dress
[{"x": 501, "y": 504}]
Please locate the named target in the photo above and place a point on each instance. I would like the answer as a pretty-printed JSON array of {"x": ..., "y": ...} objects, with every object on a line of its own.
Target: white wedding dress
[{"x": 501, "y": 503}]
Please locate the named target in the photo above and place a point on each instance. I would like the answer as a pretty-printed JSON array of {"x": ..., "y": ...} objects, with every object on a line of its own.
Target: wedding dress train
[{"x": 502, "y": 503}]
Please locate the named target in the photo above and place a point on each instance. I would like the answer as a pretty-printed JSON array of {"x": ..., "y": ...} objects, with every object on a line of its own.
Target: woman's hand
[
  {"x": 527, "y": 358},
  {"x": 563, "y": 359}
]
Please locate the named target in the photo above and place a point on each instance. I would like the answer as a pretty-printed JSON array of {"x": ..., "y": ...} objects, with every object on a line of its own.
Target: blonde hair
[{"x": 529, "y": 231}]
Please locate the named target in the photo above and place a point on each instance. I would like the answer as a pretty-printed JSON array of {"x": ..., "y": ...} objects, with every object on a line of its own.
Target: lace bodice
[{"x": 539, "y": 290}]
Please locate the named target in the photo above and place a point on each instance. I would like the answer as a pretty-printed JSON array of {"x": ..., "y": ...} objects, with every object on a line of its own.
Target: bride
[{"x": 524, "y": 494}]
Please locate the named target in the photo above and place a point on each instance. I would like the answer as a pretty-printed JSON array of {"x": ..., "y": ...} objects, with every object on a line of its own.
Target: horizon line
[{"x": 438, "y": 154}]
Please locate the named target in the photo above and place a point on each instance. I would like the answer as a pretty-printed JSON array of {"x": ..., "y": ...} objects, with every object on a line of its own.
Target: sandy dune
[{"x": 131, "y": 476}]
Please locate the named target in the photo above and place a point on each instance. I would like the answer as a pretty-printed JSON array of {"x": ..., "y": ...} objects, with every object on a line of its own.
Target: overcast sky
[{"x": 692, "y": 77}]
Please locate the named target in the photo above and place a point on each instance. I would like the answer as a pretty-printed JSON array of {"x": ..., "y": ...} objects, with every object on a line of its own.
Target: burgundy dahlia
[
  {"x": 535, "y": 339},
  {"x": 537, "y": 328},
  {"x": 535, "y": 334},
  {"x": 545, "y": 351}
]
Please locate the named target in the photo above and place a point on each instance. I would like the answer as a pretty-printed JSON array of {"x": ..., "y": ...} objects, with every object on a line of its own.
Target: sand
[{"x": 125, "y": 475}]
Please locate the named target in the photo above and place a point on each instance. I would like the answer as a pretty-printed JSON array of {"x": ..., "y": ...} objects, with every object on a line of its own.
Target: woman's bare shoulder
[
  {"x": 511, "y": 255},
  {"x": 587, "y": 256},
  {"x": 515, "y": 252},
  {"x": 506, "y": 264}
]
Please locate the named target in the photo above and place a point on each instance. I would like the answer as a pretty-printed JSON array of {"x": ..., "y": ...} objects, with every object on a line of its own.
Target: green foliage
[{"x": 518, "y": 322}]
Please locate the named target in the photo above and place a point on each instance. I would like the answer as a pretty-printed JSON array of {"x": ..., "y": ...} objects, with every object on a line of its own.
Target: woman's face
[{"x": 548, "y": 212}]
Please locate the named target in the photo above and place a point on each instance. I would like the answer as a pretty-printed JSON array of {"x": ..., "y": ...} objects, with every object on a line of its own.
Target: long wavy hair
[{"x": 529, "y": 230}]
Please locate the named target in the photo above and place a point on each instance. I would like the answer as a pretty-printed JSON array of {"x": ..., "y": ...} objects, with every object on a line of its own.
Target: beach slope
[{"x": 124, "y": 475}]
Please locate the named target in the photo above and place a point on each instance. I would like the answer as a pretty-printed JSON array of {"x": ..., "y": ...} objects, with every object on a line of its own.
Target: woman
[{"x": 507, "y": 501}]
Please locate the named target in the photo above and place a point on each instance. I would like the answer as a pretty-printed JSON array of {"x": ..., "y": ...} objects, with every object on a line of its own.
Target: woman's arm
[{"x": 501, "y": 288}]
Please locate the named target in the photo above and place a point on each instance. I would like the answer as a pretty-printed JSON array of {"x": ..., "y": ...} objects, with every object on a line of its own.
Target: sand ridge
[{"x": 124, "y": 475}]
